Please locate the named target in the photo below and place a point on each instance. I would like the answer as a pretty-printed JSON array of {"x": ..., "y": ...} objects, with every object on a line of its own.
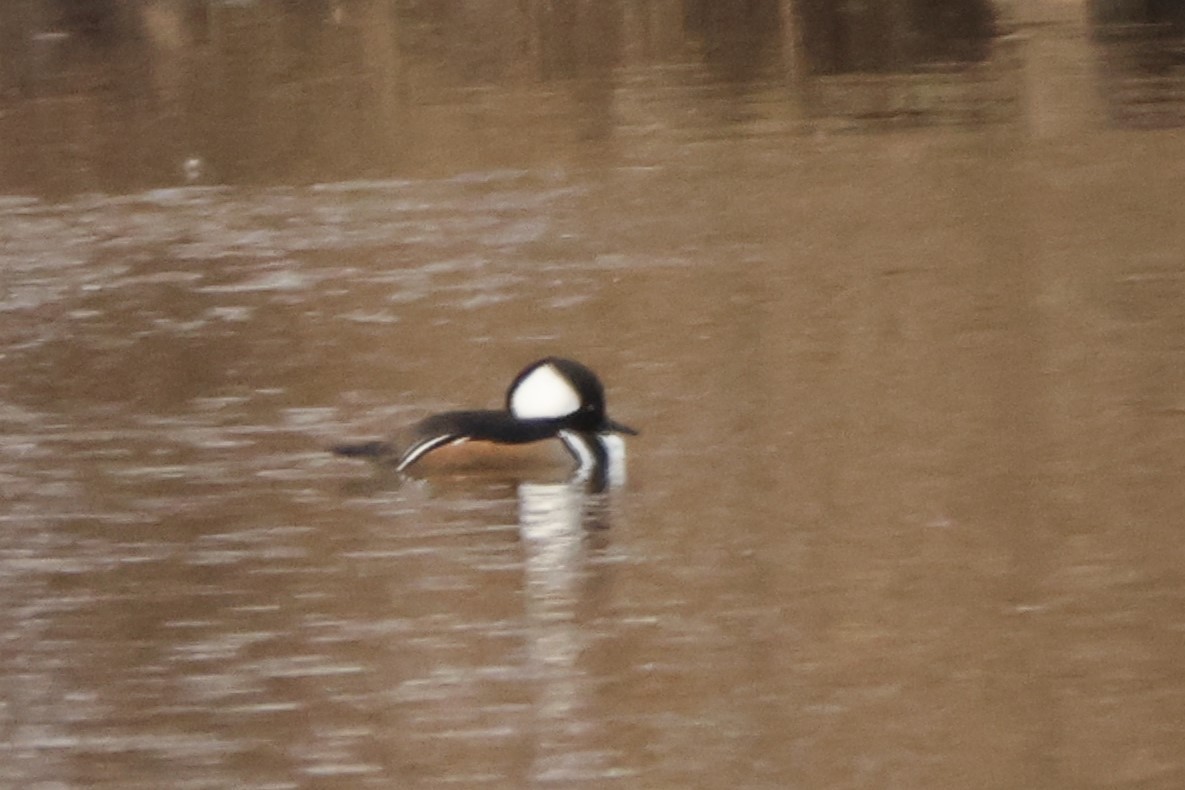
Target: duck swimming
[{"x": 552, "y": 398}]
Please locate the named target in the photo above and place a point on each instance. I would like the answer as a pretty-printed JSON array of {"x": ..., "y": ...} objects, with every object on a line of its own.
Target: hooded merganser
[{"x": 553, "y": 398}]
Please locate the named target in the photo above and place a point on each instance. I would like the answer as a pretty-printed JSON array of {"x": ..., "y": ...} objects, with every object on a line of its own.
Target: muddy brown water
[{"x": 907, "y": 355}]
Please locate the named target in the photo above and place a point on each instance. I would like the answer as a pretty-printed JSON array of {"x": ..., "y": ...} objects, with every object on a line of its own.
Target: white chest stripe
[{"x": 577, "y": 446}]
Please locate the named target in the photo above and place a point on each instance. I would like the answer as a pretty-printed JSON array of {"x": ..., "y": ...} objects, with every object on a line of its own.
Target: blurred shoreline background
[{"x": 107, "y": 95}]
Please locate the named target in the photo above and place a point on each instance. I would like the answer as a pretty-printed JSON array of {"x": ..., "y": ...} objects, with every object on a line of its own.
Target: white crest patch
[{"x": 544, "y": 393}]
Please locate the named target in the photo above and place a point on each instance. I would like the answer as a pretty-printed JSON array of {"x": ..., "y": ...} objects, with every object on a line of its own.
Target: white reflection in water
[{"x": 554, "y": 519}]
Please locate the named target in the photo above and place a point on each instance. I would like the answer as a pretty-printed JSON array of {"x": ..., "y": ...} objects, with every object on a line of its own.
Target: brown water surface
[{"x": 906, "y": 348}]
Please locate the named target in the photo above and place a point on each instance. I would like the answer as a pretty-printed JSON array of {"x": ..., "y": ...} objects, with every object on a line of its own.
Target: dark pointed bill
[{"x": 617, "y": 427}]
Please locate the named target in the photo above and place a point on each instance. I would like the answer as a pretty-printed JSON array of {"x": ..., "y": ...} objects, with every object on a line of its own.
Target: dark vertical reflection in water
[{"x": 266, "y": 92}]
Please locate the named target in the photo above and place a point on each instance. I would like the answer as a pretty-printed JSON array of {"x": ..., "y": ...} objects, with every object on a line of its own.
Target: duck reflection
[
  {"x": 563, "y": 529},
  {"x": 553, "y": 595}
]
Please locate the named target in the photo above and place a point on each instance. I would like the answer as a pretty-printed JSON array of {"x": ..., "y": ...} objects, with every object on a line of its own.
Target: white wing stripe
[{"x": 422, "y": 448}]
